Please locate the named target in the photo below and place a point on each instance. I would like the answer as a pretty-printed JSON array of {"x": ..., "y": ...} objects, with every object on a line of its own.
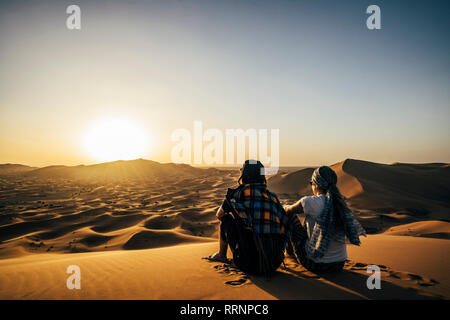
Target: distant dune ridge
[
  {"x": 10, "y": 168},
  {"x": 131, "y": 169},
  {"x": 417, "y": 190},
  {"x": 122, "y": 206}
]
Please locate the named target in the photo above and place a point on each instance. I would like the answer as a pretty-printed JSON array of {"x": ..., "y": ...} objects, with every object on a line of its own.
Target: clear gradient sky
[{"x": 312, "y": 69}]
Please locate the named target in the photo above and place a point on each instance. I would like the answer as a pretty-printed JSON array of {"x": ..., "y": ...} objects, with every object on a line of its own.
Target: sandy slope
[
  {"x": 97, "y": 216},
  {"x": 419, "y": 189},
  {"x": 166, "y": 273},
  {"x": 382, "y": 195},
  {"x": 430, "y": 229},
  {"x": 178, "y": 272}
]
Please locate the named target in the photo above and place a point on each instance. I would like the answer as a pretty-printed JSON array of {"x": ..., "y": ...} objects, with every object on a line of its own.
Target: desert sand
[{"x": 139, "y": 230}]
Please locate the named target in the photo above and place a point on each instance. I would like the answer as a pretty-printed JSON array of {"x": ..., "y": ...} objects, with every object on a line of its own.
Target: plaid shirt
[{"x": 258, "y": 208}]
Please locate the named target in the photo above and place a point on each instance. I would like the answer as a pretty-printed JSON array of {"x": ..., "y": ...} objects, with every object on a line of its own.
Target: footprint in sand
[
  {"x": 420, "y": 280},
  {"x": 230, "y": 270},
  {"x": 238, "y": 282},
  {"x": 350, "y": 265},
  {"x": 405, "y": 276}
]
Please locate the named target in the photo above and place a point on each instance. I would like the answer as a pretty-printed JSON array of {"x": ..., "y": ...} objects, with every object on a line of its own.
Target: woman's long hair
[
  {"x": 326, "y": 180},
  {"x": 252, "y": 172},
  {"x": 336, "y": 219}
]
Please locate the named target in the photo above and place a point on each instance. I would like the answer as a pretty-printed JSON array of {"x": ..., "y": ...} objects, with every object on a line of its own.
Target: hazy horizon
[
  {"x": 313, "y": 70},
  {"x": 218, "y": 166}
]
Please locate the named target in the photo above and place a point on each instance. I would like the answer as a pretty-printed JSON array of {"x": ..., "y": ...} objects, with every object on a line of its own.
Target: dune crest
[
  {"x": 349, "y": 185},
  {"x": 11, "y": 169},
  {"x": 115, "y": 170}
]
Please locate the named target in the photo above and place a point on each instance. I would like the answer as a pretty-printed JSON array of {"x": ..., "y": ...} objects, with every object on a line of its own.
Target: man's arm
[
  {"x": 296, "y": 208},
  {"x": 224, "y": 208},
  {"x": 220, "y": 213}
]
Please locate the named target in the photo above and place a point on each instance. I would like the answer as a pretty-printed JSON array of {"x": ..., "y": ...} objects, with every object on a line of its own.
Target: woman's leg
[
  {"x": 298, "y": 233},
  {"x": 299, "y": 236},
  {"x": 298, "y": 239}
]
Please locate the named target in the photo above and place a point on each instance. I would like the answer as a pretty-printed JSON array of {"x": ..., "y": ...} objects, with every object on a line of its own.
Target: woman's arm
[{"x": 296, "y": 208}]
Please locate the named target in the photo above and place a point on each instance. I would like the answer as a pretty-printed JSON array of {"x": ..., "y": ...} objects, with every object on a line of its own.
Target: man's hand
[{"x": 220, "y": 213}]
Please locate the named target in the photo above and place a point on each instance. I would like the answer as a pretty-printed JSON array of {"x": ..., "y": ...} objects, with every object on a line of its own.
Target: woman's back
[{"x": 337, "y": 249}]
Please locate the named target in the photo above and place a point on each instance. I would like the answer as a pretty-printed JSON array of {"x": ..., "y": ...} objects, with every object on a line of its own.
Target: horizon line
[{"x": 220, "y": 166}]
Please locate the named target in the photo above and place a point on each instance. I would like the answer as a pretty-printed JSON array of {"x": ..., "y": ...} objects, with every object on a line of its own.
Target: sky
[{"x": 311, "y": 69}]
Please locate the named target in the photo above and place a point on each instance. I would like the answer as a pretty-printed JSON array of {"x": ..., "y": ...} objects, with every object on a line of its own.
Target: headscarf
[{"x": 326, "y": 227}]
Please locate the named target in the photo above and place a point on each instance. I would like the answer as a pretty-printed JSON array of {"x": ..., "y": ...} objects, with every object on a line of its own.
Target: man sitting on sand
[
  {"x": 253, "y": 223},
  {"x": 328, "y": 222}
]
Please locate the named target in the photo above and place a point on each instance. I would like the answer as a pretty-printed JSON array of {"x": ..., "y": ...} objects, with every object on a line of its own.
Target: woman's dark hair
[
  {"x": 339, "y": 203},
  {"x": 252, "y": 172}
]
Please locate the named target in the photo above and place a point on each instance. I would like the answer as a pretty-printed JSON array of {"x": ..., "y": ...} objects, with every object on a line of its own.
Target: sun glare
[{"x": 116, "y": 139}]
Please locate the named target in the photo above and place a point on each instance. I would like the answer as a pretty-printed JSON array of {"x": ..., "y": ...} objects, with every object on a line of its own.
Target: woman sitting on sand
[
  {"x": 253, "y": 223},
  {"x": 328, "y": 221}
]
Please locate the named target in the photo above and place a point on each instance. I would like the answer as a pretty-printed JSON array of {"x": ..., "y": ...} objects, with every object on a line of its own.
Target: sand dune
[
  {"x": 296, "y": 182},
  {"x": 178, "y": 272},
  {"x": 98, "y": 216},
  {"x": 382, "y": 195},
  {"x": 429, "y": 229},
  {"x": 118, "y": 170},
  {"x": 12, "y": 169},
  {"x": 378, "y": 186},
  {"x": 111, "y": 206},
  {"x": 419, "y": 189}
]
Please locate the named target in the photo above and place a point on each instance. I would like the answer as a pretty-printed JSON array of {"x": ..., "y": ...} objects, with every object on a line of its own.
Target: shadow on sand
[{"x": 298, "y": 283}]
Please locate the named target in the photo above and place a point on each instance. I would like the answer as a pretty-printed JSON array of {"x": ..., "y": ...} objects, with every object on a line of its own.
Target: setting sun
[{"x": 116, "y": 139}]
